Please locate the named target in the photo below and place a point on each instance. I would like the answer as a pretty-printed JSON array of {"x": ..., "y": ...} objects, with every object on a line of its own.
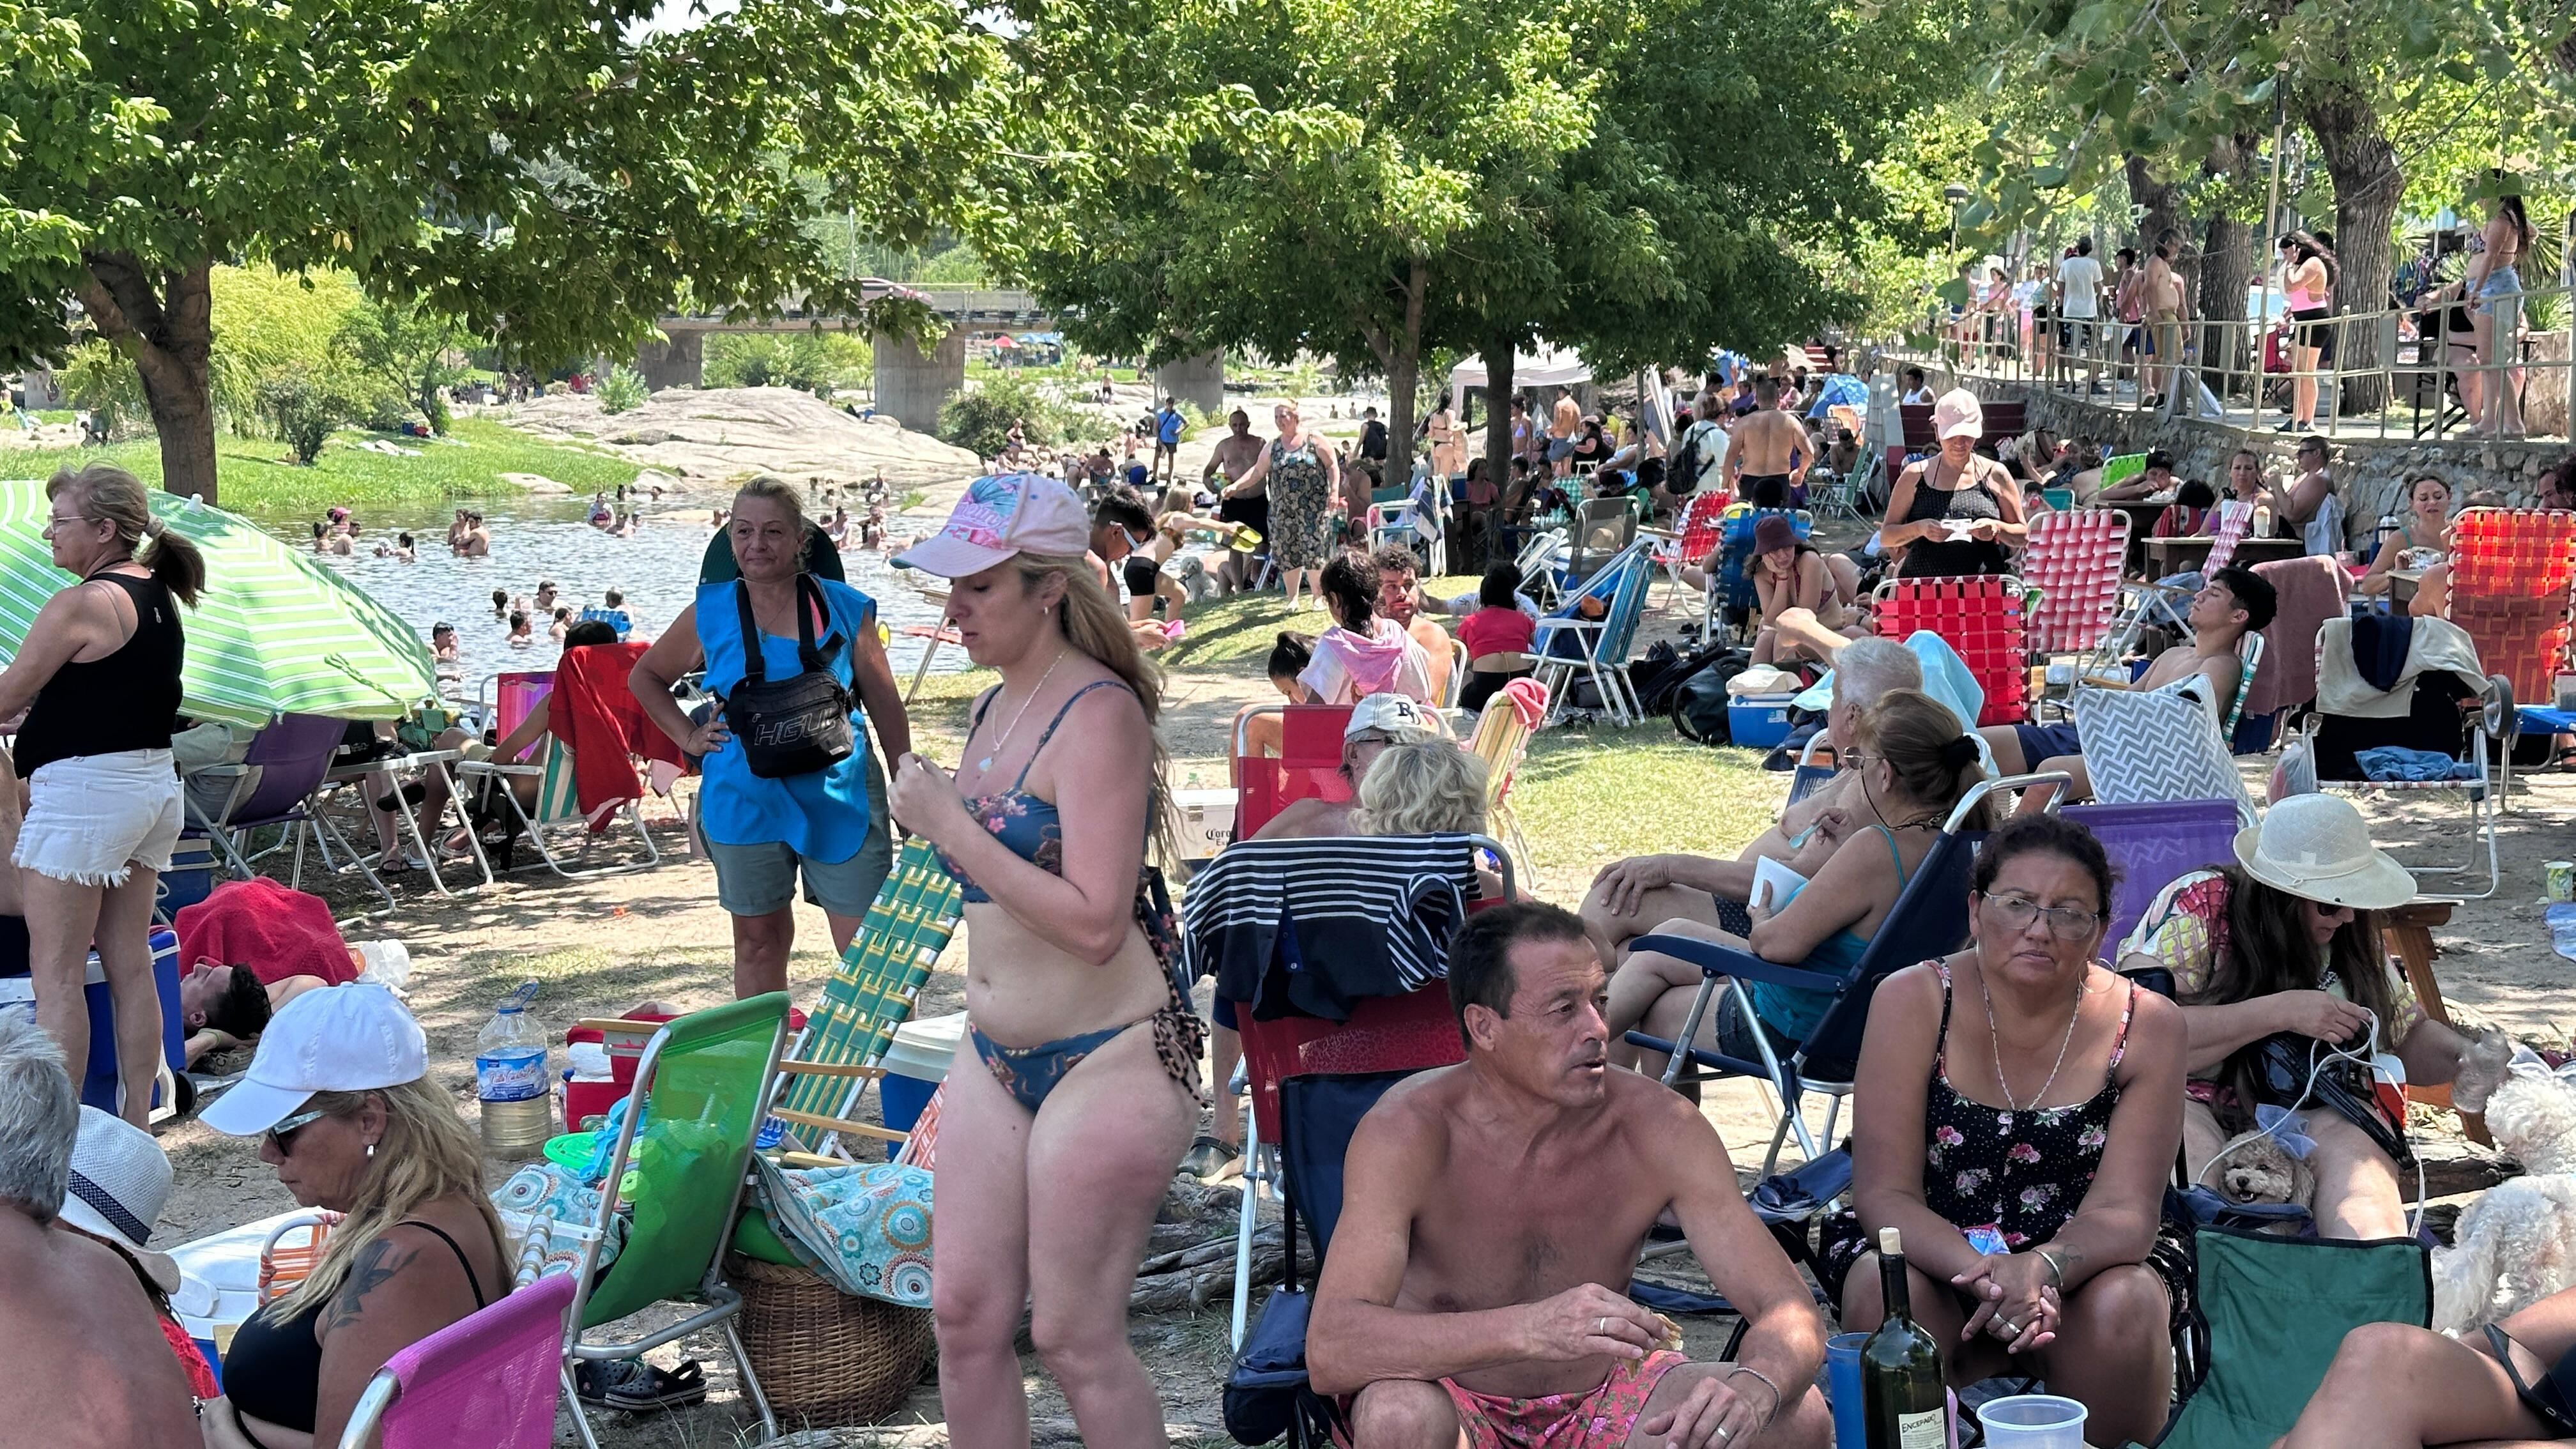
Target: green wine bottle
[{"x": 1904, "y": 1399}]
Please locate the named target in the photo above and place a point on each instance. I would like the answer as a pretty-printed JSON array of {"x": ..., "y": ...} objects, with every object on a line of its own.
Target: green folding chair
[
  {"x": 700, "y": 1084},
  {"x": 2269, "y": 1313},
  {"x": 869, "y": 994}
]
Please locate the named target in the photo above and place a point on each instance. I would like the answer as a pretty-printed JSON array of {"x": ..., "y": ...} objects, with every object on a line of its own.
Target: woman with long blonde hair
[
  {"x": 1058, "y": 1141},
  {"x": 98, "y": 681},
  {"x": 340, "y": 1097}
]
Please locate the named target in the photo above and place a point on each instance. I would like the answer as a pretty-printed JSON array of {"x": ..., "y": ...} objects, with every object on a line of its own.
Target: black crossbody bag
[{"x": 793, "y": 726}]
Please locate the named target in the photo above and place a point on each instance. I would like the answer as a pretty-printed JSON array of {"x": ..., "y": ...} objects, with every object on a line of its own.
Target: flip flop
[{"x": 1206, "y": 1158}]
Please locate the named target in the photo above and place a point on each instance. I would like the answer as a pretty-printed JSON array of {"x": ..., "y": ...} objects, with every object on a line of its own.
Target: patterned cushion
[
  {"x": 865, "y": 1226},
  {"x": 2145, "y": 747}
]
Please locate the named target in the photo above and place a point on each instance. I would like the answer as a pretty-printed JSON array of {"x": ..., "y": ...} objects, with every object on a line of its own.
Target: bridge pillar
[
  {"x": 911, "y": 383},
  {"x": 1196, "y": 380},
  {"x": 680, "y": 362}
]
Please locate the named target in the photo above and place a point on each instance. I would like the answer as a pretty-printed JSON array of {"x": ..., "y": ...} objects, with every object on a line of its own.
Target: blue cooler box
[
  {"x": 1758, "y": 721},
  {"x": 915, "y": 1066}
]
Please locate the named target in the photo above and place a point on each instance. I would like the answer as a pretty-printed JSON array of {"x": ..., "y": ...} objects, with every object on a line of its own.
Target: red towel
[
  {"x": 274, "y": 931},
  {"x": 2311, "y": 590},
  {"x": 599, "y": 719}
]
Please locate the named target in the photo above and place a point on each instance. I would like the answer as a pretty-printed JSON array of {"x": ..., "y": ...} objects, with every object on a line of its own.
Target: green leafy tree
[
  {"x": 408, "y": 350},
  {"x": 557, "y": 173},
  {"x": 980, "y": 418}
]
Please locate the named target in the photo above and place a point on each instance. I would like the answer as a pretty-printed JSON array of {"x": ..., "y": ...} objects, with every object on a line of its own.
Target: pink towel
[
  {"x": 1528, "y": 697},
  {"x": 2312, "y": 590}
]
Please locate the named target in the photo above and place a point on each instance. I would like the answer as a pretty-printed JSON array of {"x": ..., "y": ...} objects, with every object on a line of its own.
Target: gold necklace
[
  {"x": 986, "y": 763},
  {"x": 1995, "y": 1034}
]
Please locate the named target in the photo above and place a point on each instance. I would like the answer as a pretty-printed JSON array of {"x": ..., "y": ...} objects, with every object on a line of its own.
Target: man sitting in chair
[
  {"x": 1511, "y": 1324},
  {"x": 2234, "y": 603}
]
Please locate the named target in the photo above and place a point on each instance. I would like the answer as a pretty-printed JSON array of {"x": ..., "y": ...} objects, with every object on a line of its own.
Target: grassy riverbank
[{"x": 260, "y": 474}]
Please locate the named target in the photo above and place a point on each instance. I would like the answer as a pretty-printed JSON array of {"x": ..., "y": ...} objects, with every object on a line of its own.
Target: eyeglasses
[
  {"x": 1857, "y": 759},
  {"x": 282, "y": 1136},
  {"x": 2066, "y": 923}
]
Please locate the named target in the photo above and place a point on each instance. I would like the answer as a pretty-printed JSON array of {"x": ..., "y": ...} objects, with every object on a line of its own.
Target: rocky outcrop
[{"x": 706, "y": 438}]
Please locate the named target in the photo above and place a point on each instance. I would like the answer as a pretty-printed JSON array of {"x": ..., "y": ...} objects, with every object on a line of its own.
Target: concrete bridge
[{"x": 910, "y": 383}]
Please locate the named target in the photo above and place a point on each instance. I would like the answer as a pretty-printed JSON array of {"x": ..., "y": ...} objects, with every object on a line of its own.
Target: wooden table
[
  {"x": 2188, "y": 554},
  {"x": 2401, "y": 584},
  {"x": 2408, "y": 931}
]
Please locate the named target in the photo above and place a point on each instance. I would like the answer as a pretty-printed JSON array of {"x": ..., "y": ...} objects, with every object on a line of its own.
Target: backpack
[
  {"x": 1657, "y": 678},
  {"x": 1698, "y": 707},
  {"x": 1685, "y": 465}
]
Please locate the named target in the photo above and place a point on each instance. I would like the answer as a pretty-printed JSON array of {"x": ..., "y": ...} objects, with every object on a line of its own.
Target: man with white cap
[
  {"x": 1377, "y": 721},
  {"x": 88, "y": 1369},
  {"x": 1955, "y": 512}
]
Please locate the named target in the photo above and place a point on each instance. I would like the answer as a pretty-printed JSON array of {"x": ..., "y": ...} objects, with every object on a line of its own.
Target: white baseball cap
[
  {"x": 120, "y": 1178},
  {"x": 353, "y": 1038},
  {"x": 1003, "y": 515},
  {"x": 1390, "y": 713}
]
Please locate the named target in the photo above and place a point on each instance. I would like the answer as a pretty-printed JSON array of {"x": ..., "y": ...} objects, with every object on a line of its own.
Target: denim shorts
[{"x": 760, "y": 880}]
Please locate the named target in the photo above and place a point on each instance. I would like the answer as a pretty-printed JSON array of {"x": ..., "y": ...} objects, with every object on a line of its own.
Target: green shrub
[
  {"x": 807, "y": 361},
  {"x": 980, "y": 419},
  {"x": 305, "y": 408},
  {"x": 98, "y": 377},
  {"x": 622, "y": 390}
]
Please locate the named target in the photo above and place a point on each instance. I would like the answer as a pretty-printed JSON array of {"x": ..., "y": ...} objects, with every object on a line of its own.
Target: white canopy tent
[{"x": 1547, "y": 367}]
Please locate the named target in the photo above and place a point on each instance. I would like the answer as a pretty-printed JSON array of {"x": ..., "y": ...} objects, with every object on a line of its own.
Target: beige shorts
[{"x": 92, "y": 818}]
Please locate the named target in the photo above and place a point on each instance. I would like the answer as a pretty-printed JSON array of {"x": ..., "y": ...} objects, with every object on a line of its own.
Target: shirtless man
[
  {"x": 1234, "y": 455},
  {"x": 1770, "y": 451},
  {"x": 2234, "y": 603},
  {"x": 228, "y": 1006},
  {"x": 1566, "y": 421},
  {"x": 1399, "y": 597},
  {"x": 89, "y": 1368},
  {"x": 1511, "y": 1321},
  {"x": 2160, "y": 294},
  {"x": 475, "y": 543},
  {"x": 457, "y": 530}
]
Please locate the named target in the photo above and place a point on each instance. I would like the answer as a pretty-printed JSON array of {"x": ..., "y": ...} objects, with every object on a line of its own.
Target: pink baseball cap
[
  {"x": 1000, "y": 516},
  {"x": 1958, "y": 415}
]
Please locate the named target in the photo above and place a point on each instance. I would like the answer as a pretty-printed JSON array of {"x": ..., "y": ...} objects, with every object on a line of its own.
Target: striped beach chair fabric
[
  {"x": 1981, "y": 617},
  {"x": 2510, "y": 574},
  {"x": 2074, "y": 561}
]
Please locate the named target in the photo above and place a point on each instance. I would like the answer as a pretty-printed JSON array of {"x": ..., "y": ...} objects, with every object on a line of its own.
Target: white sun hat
[
  {"x": 353, "y": 1038},
  {"x": 120, "y": 1178},
  {"x": 2318, "y": 847}
]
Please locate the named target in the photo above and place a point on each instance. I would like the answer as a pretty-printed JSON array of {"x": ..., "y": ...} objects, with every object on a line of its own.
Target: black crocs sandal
[{"x": 656, "y": 1389}]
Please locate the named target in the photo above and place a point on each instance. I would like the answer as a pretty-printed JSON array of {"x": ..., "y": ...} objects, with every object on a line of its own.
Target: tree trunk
[
  {"x": 2368, "y": 185},
  {"x": 169, "y": 334},
  {"x": 1498, "y": 443},
  {"x": 1403, "y": 380}
]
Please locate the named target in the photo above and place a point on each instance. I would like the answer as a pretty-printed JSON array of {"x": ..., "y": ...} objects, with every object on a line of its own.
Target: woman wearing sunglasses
[
  {"x": 2024, "y": 1107},
  {"x": 340, "y": 1098}
]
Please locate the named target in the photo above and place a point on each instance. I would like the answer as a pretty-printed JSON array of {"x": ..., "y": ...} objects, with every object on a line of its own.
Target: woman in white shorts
[{"x": 98, "y": 681}]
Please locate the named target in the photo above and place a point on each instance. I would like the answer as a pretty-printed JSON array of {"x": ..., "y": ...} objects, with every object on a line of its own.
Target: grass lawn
[{"x": 260, "y": 473}]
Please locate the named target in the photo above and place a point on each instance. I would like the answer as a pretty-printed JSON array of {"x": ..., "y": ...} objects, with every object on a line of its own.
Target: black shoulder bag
[{"x": 792, "y": 726}]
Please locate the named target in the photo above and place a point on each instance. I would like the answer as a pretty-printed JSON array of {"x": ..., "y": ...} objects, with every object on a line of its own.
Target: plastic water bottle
[{"x": 510, "y": 1079}]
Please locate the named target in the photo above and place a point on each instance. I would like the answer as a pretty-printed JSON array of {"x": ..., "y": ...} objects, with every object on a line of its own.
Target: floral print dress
[{"x": 2021, "y": 1174}]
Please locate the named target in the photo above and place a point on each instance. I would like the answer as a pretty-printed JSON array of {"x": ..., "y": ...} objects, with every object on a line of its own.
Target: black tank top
[
  {"x": 125, "y": 701},
  {"x": 274, "y": 1370},
  {"x": 1974, "y": 498}
]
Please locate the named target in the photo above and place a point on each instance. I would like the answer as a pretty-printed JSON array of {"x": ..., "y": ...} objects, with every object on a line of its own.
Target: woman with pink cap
[
  {"x": 1055, "y": 1155},
  {"x": 1954, "y": 512}
]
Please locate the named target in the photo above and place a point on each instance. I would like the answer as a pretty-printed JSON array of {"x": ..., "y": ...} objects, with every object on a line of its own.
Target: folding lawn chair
[
  {"x": 2511, "y": 572},
  {"x": 293, "y": 756},
  {"x": 2074, "y": 561},
  {"x": 1568, "y": 644},
  {"x": 1731, "y": 589},
  {"x": 1501, "y": 740},
  {"x": 1308, "y": 766},
  {"x": 869, "y": 994},
  {"x": 1604, "y": 528},
  {"x": 2453, "y": 710},
  {"x": 486, "y": 1380},
  {"x": 2235, "y": 520},
  {"x": 2151, "y": 747},
  {"x": 1692, "y": 542},
  {"x": 2267, "y": 1315},
  {"x": 1981, "y": 617},
  {"x": 2152, "y": 845},
  {"x": 1816, "y": 765},
  {"x": 1537, "y": 563},
  {"x": 1416, "y": 518},
  {"x": 698, "y": 1088},
  {"x": 1929, "y": 919}
]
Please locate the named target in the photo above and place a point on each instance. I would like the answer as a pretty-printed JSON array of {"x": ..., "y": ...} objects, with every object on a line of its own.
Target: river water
[{"x": 537, "y": 539}]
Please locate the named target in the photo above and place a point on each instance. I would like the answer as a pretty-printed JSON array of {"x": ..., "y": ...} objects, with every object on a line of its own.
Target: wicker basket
[{"x": 824, "y": 1356}]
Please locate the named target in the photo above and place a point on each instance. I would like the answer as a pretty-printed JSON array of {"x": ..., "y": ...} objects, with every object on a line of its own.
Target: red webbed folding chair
[
  {"x": 2074, "y": 561},
  {"x": 1697, "y": 537},
  {"x": 1981, "y": 618},
  {"x": 2510, "y": 574},
  {"x": 1308, "y": 766}
]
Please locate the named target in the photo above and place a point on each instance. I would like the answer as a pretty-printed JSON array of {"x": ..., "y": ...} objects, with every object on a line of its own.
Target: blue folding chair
[
  {"x": 1929, "y": 919},
  {"x": 1731, "y": 593},
  {"x": 1568, "y": 643}
]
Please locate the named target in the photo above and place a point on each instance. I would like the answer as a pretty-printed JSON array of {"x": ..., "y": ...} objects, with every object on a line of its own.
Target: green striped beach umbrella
[{"x": 275, "y": 632}]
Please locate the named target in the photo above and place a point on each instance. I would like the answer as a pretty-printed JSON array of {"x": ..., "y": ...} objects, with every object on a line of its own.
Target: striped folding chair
[
  {"x": 1501, "y": 740},
  {"x": 2510, "y": 574},
  {"x": 2074, "y": 562},
  {"x": 871, "y": 992},
  {"x": 1568, "y": 644},
  {"x": 1981, "y": 617},
  {"x": 2235, "y": 520},
  {"x": 557, "y": 806}
]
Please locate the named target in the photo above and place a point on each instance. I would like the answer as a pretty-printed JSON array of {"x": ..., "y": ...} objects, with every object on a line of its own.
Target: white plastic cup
[{"x": 2033, "y": 1421}]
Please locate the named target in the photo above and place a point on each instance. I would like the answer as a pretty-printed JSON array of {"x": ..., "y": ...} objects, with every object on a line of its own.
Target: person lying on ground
[
  {"x": 2285, "y": 942},
  {"x": 1912, "y": 767},
  {"x": 2234, "y": 603},
  {"x": 2027, "y": 1223},
  {"x": 89, "y": 1368},
  {"x": 2398, "y": 1386},
  {"x": 1511, "y": 1324},
  {"x": 1630, "y": 896},
  {"x": 340, "y": 1097},
  {"x": 1789, "y": 573},
  {"x": 227, "y": 1007},
  {"x": 1399, "y": 597}
]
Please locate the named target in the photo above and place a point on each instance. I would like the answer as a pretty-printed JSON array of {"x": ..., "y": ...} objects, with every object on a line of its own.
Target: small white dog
[{"x": 2516, "y": 1244}]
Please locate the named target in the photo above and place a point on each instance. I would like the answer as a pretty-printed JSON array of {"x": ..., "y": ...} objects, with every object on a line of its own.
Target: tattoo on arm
[{"x": 374, "y": 1265}]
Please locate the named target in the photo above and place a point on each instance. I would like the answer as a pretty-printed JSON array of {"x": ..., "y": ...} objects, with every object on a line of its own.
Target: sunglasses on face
[{"x": 282, "y": 1136}]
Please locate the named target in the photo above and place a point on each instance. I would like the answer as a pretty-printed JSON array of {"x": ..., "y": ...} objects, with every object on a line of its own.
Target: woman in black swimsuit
[
  {"x": 2396, "y": 1384},
  {"x": 1954, "y": 512},
  {"x": 421, "y": 1246}
]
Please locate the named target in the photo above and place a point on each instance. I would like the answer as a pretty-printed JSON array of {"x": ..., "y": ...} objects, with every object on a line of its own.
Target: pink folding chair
[
  {"x": 488, "y": 1380},
  {"x": 2074, "y": 561},
  {"x": 2234, "y": 519}
]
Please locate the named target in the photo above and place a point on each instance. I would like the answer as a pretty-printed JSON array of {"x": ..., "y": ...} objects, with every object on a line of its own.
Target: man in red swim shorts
[{"x": 1492, "y": 1213}]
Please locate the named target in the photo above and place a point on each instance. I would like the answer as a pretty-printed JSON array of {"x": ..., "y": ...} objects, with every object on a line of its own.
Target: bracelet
[
  {"x": 1766, "y": 1383},
  {"x": 2056, "y": 1270}
]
